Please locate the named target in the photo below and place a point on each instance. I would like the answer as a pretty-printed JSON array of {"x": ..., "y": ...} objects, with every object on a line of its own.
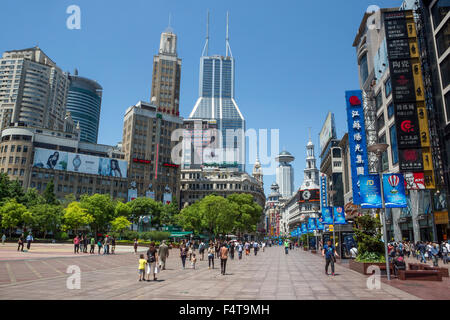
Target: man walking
[
  {"x": 92, "y": 245},
  {"x": 106, "y": 245},
  {"x": 223, "y": 258},
  {"x": 3, "y": 239},
  {"x": 255, "y": 247},
  {"x": 329, "y": 252},
  {"x": 163, "y": 253},
  {"x": 201, "y": 250},
  {"x": 286, "y": 246},
  {"x": 29, "y": 240},
  {"x": 20, "y": 242},
  {"x": 240, "y": 249}
]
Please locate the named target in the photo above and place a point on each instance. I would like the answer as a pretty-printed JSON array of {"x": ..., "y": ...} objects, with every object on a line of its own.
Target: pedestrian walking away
[
  {"x": 91, "y": 251},
  {"x": 99, "y": 244},
  {"x": 183, "y": 255},
  {"x": 240, "y": 249},
  {"x": 113, "y": 245},
  {"x": 29, "y": 240},
  {"x": 3, "y": 238},
  {"x": 286, "y": 247},
  {"x": 135, "y": 246},
  {"x": 211, "y": 252},
  {"x": 329, "y": 252},
  {"x": 20, "y": 242},
  {"x": 163, "y": 253},
  {"x": 223, "y": 258},
  {"x": 255, "y": 248}
]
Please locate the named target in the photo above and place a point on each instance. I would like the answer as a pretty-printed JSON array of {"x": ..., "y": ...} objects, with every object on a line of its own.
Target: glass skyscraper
[{"x": 216, "y": 102}]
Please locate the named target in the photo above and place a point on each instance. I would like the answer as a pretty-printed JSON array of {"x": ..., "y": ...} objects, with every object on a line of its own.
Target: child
[
  {"x": 142, "y": 264},
  {"x": 193, "y": 261}
]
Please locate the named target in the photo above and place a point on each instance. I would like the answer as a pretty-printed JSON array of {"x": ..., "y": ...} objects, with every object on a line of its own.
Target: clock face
[{"x": 306, "y": 195}]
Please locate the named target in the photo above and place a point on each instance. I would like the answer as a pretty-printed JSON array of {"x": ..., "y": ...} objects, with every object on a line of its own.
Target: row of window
[
  {"x": 14, "y": 171},
  {"x": 19, "y": 148}
]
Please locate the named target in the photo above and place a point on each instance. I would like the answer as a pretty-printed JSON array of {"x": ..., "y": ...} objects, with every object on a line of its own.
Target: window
[
  {"x": 22, "y": 172},
  {"x": 390, "y": 110},
  {"x": 394, "y": 151},
  {"x": 387, "y": 87},
  {"x": 24, "y": 160},
  {"x": 25, "y": 149},
  {"x": 363, "y": 69},
  {"x": 447, "y": 105},
  {"x": 384, "y": 156},
  {"x": 13, "y": 148},
  {"x": 439, "y": 11},
  {"x": 15, "y": 172},
  {"x": 378, "y": 101},
  {"x": 380, "y": 122},
  {"x": 11, "y": 159},
  {"x": 443, "y": 39},
  {"x": 445, "y": 72}
]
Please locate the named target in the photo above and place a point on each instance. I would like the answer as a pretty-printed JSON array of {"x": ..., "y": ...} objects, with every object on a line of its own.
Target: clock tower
[{"x": 311, "y": 173}]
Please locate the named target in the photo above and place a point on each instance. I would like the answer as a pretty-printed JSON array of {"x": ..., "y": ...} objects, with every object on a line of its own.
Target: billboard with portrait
[
  {"x": 76, "y": 162},
  {"x": 328, "y": 131}
]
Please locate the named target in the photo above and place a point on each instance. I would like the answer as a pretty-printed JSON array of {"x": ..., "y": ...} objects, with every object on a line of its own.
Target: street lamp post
[{"x": 378, "y": 150}]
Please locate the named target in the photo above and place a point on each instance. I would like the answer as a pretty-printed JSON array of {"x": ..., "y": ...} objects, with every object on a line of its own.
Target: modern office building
[
  {"x": 165, "y": 93},
  {"x": 34, "y": 156},
  {"x": 285, "y": 174},
  {"x": 84, "y": 100},
  {"x": 33, "y": 90},
  {"x": 147, "y": 146},
  {"x": 217, "y": 102}
]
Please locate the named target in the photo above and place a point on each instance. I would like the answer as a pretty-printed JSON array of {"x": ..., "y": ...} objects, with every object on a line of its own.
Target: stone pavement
[{"x": 269, "y": 275}]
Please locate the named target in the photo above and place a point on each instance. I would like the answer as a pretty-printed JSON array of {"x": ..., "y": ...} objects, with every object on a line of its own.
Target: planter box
[{"x": 361, "y": 267}]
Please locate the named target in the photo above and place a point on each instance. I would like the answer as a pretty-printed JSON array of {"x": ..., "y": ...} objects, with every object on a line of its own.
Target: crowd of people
[
  {"x": 422, "y": 251},
  {"x": 188, "y": 252},
  {"x": 81, "y": 244}
]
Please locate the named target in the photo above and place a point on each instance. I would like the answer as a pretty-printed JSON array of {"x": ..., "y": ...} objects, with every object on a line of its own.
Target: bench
[
  {"x": 421, "y": 266},
  {"x": 423, "y": 275}
]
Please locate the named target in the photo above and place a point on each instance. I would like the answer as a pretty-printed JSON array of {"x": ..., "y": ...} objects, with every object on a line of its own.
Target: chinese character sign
[
  {"x": 370, "y": 191},
  {"x": 339, "y": 215},
  {"x": 323, "y": 191},
  {"x": 357, "y": 140},
  {"x": 327, "y": 215},
  {"x": 394, "y": 190}
]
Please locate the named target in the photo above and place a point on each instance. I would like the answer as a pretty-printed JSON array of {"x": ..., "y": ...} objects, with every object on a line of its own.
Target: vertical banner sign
[
  {"x": 299, "y": 231},
  {"x": 394, "y": 190},
  {"x": 327, "y": 215},
  {"x": 304, "y": 228},
  {"x": 319, "y": 224},
  {"x": 311, "y": 225},
  {"x": 357, "y": 140},
  {"x": 370, "y": 191},
  {"x": 323, "y": 191},
  {"x": 339, "y": 215}
]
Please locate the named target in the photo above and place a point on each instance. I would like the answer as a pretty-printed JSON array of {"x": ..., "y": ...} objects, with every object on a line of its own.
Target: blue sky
[{"x": 294, "y": 58}]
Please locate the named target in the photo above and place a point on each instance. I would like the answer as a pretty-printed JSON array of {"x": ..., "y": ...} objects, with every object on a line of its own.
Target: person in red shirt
[
  {"x": 76, "y": 242},
  {"x": 223, "y": 257}
]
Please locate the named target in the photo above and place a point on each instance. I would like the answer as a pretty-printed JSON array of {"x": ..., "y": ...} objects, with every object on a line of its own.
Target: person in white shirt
[{"x": 354, "y": 252}]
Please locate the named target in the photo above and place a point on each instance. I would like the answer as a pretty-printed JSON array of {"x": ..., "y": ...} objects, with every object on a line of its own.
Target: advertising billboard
[
  {"x": 76, "y": 162},
  {"x": 327, "y": 215},
  {"x": 312, "y": 224},
  {"x": 370, "y": 191},
  {"x": 414, "y": 180},
  {"x": 304, "y": 228},
  {"x": 328, "y": 131},
  {"x": 394, "y": 190},
  {"x": 408, "y": 133},
  {"x": 319, "y": 224},
  {"x": 323, "y": 191},
  {"x": 339, "y": 215},
  {"x": 357, "y": 140}
]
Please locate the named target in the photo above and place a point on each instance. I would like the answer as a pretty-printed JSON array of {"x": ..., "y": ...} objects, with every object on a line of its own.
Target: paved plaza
[{"x": 269, "y": 275}]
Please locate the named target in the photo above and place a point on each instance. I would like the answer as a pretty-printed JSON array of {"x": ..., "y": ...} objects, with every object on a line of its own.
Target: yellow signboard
[{"x": 441, "y": 217}]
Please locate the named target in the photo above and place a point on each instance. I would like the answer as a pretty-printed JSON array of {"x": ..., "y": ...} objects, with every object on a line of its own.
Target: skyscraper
[
  {"x": 84, "y": 104},
  {"x": 217, "y": 102},
  {"x": 165, "y": 92},
  {"x": 33, "y": 90},
  {"x": 285, "y": 174}
]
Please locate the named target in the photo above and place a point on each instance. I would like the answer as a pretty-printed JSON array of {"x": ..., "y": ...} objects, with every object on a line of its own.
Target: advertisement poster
[
  {"x": 370, "y": 191},
  {"x": 394, "y": 190},
  {"x": 319, "y": 224},
  {"x": 83, "y": 163},
  {"x": 304, "y": 228},
  {"x": 339, "y": 215},
  {"x": 408, "y": 132},
  {"x": 112, "y": 168},
  {"x": 132, "y": 194},
  {"x": 410, "y": 159},
  {"x": 50, "y": 159},
  {"x": 150, "y": 194},
  {"x": 414, "y": 180},
  {"x": 327, "y": 215},
  {"x": 312, "y": 225},
  {"x": 357, "y": 140}
]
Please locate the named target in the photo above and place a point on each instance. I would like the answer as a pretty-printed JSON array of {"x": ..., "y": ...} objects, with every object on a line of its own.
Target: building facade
[
  {"x": 285, "y": 174},
  {"x": 33, "y": 90},
  {"x": 34, "y": 156},
  {"x": 272, "y": 214},
  {"x": 148, "y": 148},
  {"x": 84, "y": 100}
]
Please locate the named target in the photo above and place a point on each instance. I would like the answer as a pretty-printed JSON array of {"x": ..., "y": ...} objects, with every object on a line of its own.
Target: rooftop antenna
[
  {"x": 309, "y": 130},
  {"x": 227, "y": 39},
  {"x": 169, "y": 27},
  {"x": 205, "y": 48}
]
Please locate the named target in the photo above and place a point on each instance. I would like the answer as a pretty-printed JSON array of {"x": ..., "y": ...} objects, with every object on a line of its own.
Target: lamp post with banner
[
  {"x": 378, "y": 150},
  {"x": 332, "y": 193}
]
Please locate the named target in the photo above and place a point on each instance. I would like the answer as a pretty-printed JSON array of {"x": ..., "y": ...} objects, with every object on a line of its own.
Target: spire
[
  {"x": 205, "y": 48},
  {"x": 227, "y": 39},
  {"x": 169, "y": 26}
]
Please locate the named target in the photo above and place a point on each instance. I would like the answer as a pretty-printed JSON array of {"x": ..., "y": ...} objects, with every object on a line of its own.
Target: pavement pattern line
[
  {"x": 28, "y": 264},
  {"x": 10, "y": 273}
]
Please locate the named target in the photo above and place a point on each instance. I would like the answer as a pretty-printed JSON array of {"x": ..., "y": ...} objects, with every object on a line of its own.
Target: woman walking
[
  {"x": 211, "y": 251},
  {"x": 152, "y": 257},
  {"x": 76, "y": 243},
  {"x": 135, "y": 245},
  {"x": 183, "y": 255}
]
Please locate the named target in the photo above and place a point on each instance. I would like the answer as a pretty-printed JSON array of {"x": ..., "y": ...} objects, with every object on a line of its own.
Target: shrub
[
  {"x": 370, "y": 257},
  {"x": 61, "y": 236},
  {"x": 368, "y": 237}
]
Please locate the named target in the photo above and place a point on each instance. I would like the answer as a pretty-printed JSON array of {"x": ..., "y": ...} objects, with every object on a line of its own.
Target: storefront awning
[{"x": 180, "y": 234}]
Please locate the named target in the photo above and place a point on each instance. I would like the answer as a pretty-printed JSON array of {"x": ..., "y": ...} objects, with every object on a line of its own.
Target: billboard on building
[
  {"x": 76, "y": 162},
  {"x": 328, "y": 131},
  {"x": 370, "y": 191},
  {"x": 356, "y": 140},
  {"x": 414, "y": 180}
]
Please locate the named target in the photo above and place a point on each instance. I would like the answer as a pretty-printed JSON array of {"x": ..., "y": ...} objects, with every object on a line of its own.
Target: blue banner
[
  {"x": 339, "y": 215},
  {"x": 356, "y": 140},
  {"x": 394, "y": 190},
  {"x": 311, "y": 224},
  {"x": 304, "y": 228},
  {"x": 319, "y": 224},
  {"x": 323, "y": 191},
  {"x": 370, "y": 191},
  {"x": 327, "y": 215}
]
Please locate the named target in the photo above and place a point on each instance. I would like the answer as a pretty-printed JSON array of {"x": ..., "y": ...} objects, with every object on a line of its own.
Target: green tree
[
  {"x": 120, "y": 224},
  {"x": 190, "y": 218},
  {"x": 76, "y": 217},
  {"x": 368, "y": 236},
  {"x": 169, "y": 212},
  {"x": 217, "y": 214},
  {"x": 68, "y": 199},
  {"x": 101, "y": 208},
  {"x": 49, "y": 193},
  {"x": 13, "y": 214},
  {"x": 248, "y": 212},
  {"x": 4, "y": 187},
  {"x": 146, "y": 207},
  {"x": 122, "y": 210},
  {"x": 47, "y": 217},
  {"x": 16, "y": 191},
  {"x": 32, "y": 198}
]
